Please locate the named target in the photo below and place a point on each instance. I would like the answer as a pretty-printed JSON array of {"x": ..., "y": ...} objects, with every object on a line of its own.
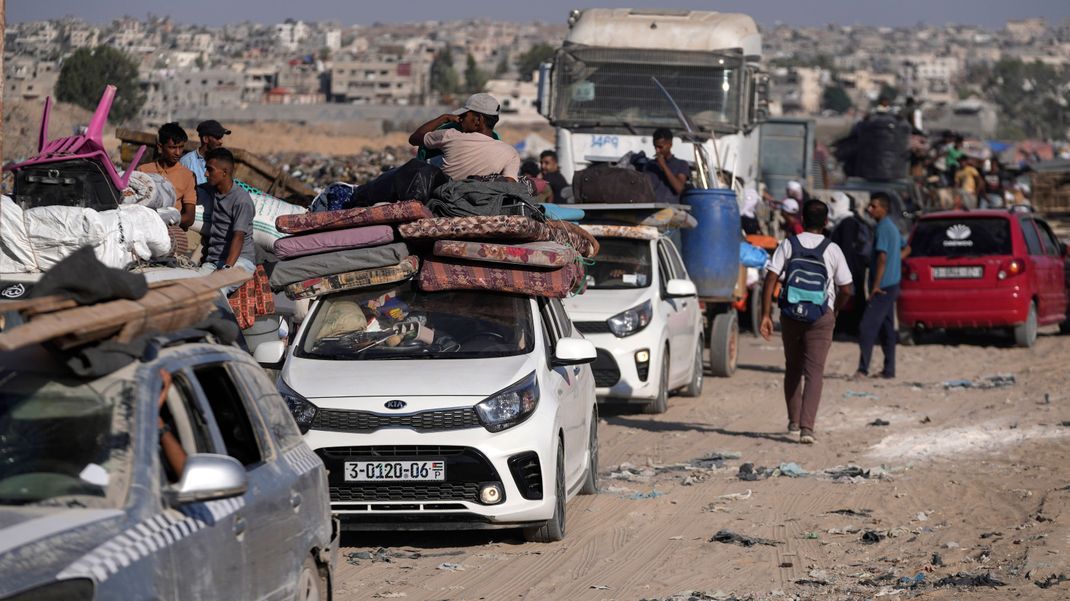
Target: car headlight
[
  {"x": 79, "y": 589},
  {"x": 510, "y": 406},
  {"x": 302, "y": 410},
  {"x": 631, "y": 321}
]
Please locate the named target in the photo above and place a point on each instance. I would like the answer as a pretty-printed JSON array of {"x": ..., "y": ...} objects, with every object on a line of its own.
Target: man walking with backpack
[{"x": 815, "y": 284}]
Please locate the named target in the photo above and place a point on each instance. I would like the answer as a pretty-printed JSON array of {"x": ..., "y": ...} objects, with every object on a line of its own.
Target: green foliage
[
  {"x": 85, "y": 74},
  {"x": 528, "y": 62},
  {"x": 889, "y": 92},
  {"x": 835, "y": 99},
  {"x": 1031, "y": 98},
  {"x": 474, "y": 77},
  {"x": 503, "y": 65},
  {"x": 443, "y": 76}
]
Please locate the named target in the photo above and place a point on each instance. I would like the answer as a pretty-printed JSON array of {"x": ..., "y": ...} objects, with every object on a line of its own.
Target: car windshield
[
  {"x": 63, "y": 441},
  {"x": 621, "y": 263},
  {"x": 402, "y": 322},
  {"x": 959, "y": 237}
]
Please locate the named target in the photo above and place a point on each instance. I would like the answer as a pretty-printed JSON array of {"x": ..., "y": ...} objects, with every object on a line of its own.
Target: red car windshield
[{"x": 959, "y": 237}]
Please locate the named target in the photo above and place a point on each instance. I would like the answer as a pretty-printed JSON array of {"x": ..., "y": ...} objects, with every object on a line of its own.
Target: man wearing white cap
[
  {"x": 789, "y": 210},
  {"x": 472, "y": 149}
]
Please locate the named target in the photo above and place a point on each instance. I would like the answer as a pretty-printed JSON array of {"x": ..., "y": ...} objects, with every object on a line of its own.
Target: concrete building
[
  {"x": 381, "y": 79},
  {"x": 291, "y": 33},
  {"x": 26, "y": 78},
  {"x": 517, "y": 99}
]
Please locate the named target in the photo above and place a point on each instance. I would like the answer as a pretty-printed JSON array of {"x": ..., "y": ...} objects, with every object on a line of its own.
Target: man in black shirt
[{"x": 551, "y": 172}]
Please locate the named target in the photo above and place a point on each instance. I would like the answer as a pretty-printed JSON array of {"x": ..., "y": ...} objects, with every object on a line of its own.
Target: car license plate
[
  {"x": 957, "y": 273},
  {"x": 382, "y": 471}
]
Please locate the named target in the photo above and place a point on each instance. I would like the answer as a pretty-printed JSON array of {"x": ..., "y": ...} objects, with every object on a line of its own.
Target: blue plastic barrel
[{"x": 711, "y": 250}]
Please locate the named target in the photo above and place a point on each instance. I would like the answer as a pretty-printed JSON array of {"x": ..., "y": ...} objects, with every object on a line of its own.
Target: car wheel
[
  {"x": 661, "y": 403},
  {"x": 590, "y": 480},
  {"x": 1064, "y": 327},
  {"x": 1025, "y": 334},
  {"x": 909, "y": 337},
  {"x": 694, "y": 388},
  {"x": 724, "y": 344},
  {"x": 755, "y": 309},
  {"x": 310, "y": 587},
  {"x": 554, "y": 528}
]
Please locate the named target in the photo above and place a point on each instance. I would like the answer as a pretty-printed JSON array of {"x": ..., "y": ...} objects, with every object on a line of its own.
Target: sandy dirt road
[{"x": 961, "y": 482}]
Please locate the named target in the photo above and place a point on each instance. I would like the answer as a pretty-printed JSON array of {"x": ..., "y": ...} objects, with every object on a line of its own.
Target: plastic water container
[{"x": 711, "y": 250}]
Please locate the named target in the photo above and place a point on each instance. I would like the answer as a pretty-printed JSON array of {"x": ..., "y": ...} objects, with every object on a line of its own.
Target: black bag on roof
[{"x": 604, "y": 184}]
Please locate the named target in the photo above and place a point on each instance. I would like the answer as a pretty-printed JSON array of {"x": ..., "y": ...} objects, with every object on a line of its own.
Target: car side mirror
[
  {"x": 573, "y": 351},
  {"x": 270, "y": 354},
  {"x": 208, "y": 476},
  {"x": 677, "y": 288}
]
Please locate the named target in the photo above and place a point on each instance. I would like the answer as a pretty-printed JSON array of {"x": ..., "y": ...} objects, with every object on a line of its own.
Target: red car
[{"x": 984, "y": 270}]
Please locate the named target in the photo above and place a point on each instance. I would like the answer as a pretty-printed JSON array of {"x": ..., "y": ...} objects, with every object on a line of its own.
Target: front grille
[
  {"x": 365, "y": 492},
  {"x": 606, "y": 372},
  {"x": 365, "y": 453},
  {"x": 592, "y": 327},
  {"x": 527, "y": 472},
  {"x": 339, "y": 420}
]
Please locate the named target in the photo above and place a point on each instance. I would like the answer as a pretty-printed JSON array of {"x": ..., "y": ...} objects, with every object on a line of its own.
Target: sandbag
[
  {"x": 268, "y": 210},
  {"x": 315, "y": 266},
  {"x": 603, "y": 184}
]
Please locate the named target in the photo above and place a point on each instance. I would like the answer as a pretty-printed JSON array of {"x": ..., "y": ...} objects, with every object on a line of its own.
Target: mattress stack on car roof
[{"x": 330, "y": 251}]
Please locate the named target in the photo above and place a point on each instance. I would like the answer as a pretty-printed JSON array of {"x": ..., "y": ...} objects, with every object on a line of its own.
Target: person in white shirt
[
  {"x": 470, "y": 150},
  {"x": 806, "y": 344}
]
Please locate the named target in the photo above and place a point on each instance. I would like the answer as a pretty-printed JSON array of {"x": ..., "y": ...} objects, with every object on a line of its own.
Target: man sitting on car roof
[{"x": 472, "y": 149}]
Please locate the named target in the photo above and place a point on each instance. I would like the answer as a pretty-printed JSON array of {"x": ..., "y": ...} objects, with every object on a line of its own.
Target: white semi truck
[{"x": 599, "y": 94}]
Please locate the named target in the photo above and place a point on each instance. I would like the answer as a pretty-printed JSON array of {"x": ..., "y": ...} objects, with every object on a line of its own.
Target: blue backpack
[{"x": 804, "y": 296}]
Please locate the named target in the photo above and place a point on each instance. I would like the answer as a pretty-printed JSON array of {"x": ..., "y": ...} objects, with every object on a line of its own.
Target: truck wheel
[
  {"x": 694, "y": 387},
  {"x": 724, "y": 344},
  {"x": 661, "y": 403},
  {"x": 1025, "y": 334}
]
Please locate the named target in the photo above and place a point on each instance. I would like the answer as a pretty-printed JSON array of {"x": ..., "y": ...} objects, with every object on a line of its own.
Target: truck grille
[{"x": 339, "y": 420}]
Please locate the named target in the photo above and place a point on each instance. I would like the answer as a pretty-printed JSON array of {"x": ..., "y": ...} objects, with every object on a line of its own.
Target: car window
[
  {"x": 549, "y": 330},
  {"x": 231, "y": 415},
  {"x": 664, "y": 268},
  {"x": 679, "y": 270},
  {"x": 620, "y": 263},
  {"x": 960, "y": 237},
  {"x": 1032, "y": 240},
  {"x": 185, "y": 418},
  {"x": 1048, "y": 239},
  {"x": 272, "y": 407},
  {"x": 564, "y": 324}
]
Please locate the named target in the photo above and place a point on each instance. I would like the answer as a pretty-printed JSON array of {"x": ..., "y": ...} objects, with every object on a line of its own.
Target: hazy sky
[{"x": 989, "y": 13}]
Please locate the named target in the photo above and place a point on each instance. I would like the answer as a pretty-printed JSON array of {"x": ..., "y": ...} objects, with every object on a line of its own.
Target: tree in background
[
  {"x": 87, "y": 72},
  {"x": 889, "y": 92},
  {"x": 528, "y": 62},
  {"x": 503, "y": 65},
  {"x": 835, "y": 99},
  {"x": 474, "y": 77},
  {"x": 1031, "y": 97},
  {"x": 443, "y": 76}
]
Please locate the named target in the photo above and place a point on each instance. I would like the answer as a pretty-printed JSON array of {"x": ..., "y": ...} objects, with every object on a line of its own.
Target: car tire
[
  {"x": 724, "y": 344},
  {"x": 310, "y": 586},
  {"x": 1064, "y": 327},
  {"x": 694, "y": 387},
  {"x": 754, "y": 307},
  {"x": 1025, "y": 334},
  {"x": 553, "y": 529},
  {"x": 661, "y": 403},
  {"x": 590, "y": 479}
]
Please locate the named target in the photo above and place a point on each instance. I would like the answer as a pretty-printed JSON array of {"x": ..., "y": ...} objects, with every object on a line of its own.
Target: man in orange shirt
[{"x": 170, "y": 145}]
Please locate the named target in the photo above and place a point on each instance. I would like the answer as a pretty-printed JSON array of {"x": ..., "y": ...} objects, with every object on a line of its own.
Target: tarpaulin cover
[
  {"x": 340, "y": 261},
  {"x": 364, "y": 278},
  {"x": 398, "y": 212},
  {"x": 453, "y": 274},
  {"x": 532, "y": 254},
  {"x": 321, "y": 242}
]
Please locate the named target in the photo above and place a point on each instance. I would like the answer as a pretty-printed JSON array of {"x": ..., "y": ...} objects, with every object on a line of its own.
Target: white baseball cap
[
  {"x": 789, "y": 206},
  {"x": 480, "y": 103}
]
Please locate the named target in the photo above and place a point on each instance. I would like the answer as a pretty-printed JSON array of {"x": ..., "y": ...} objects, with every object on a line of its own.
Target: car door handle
[
  {"x": 239, "y": 526},
  {"x": 295, "y": 500}
]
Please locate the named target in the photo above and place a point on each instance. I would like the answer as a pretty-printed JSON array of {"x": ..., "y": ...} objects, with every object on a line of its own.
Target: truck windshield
[
  {"x": 613, "y": 87},
  {"x": 621, "y": 263},
  {"x": 63, "y": 441},
  {"x": 401, "y": 322}
]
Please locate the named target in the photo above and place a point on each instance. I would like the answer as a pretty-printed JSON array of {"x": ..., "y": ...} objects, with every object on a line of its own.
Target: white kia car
[
  {"x": 446, "y": 410},
  {"x": 642, "y": 313}
]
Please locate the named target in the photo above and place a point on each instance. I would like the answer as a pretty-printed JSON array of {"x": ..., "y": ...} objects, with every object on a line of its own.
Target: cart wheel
[{"x": 724, "y": 344}]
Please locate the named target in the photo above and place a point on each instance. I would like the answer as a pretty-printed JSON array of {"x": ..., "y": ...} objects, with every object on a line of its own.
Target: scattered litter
[
  {"x": 996, "y": 381},
  {"x": 921, "y": 517},
  {"x": 952, "y": 545},
  {"x": 872, "y": 537},
  {"x": 1065, "y": 424},
  {"x": 879, "y": 422},
  {"x": 991, "y": 534},
  {"x": 845, "y": 530},
  {"x": 696, "y": 596},
  {"x": 736, "y": 496},
  {"x": 451, "y": 567},
  {"x": 646, "y": 495},
  {"x": 600, "y": 587},
  {"x": 881, "y": 580},
  {"x": 855, "y": 513},
  {"x": 389, "y": 595},
  {"x": 927, "y": 420},
  {"x": 749, "y": 473},
  {"x": 967, "y": 579},
  {"x": 811, "y": 536},
  {"x": 854, "y": 394},
  {"x": 731, "y": 538},
  {"x": 676, "y": 538},
  {"x": 792, "y": 470},
  {"x": 385, "y": 556},
  {"x": 855, "y": 473},
  {"x": 908, "y": 582},
  {"x": 1052, "y": 580},
  {"x": 786, "y": 564},
  {"x": 936, "y": 560}
]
